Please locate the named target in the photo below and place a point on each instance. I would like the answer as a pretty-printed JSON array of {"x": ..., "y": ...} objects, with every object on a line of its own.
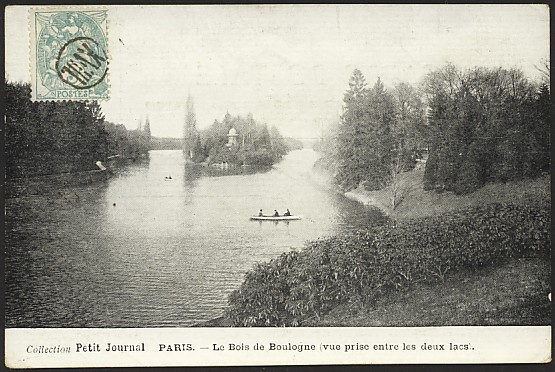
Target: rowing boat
[{"x": 272, "y": 218}]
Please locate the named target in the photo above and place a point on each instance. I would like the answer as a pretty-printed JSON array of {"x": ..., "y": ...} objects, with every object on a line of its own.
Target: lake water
[{"x": 140, "y": 251}]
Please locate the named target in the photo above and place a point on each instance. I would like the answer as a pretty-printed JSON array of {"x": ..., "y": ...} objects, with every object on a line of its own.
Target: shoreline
[
  {"x": 419, "y": 203},
  {"x": 376, "y": 199},
  {"x": 214, "y": 322},
  {"x": 366, "y": 198},
  {"x": 322, "y": 179},
  {"x": 40, "y": 185},
  {"x": 369, "y": 199},
  {"x": 416, "y": 202}
]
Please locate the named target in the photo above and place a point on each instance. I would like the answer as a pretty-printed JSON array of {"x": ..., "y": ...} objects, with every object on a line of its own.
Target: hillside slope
[{"x": 419, "y": 203}]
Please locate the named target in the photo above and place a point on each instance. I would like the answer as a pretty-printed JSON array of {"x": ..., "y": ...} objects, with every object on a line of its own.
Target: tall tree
[
  {"x": 279, "y": 148},
  {"x": 249, "y": 129},
  {"x": 147, "y": 129},
  {"x": 262, "y": 139},
  {"x": 410, "y": 128},
  {"x": 542, "y": 127},
  {"x": 487, "y": 125},
  {"x": 198, "y": 150},
  {"x": 190, "y": 132},
  {"x": 349, "y": 162},
  {"x": 440, "y": 88},
  {"x": 409, "y": 136},
  {"x": 365, "y": 136},
  {"x": 377, "y": 136}
]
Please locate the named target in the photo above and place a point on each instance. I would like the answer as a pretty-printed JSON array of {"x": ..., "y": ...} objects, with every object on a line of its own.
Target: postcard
[{"x": 223, "y": 185}]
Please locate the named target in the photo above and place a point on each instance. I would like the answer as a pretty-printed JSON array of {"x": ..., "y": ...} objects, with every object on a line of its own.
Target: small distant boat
[
  {"x": 168, "y": 178},
  {"x": 272, "y": 218}
]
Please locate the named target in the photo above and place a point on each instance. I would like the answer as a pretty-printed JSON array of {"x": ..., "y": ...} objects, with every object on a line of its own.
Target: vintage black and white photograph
[{"x": 309, "y": 166}]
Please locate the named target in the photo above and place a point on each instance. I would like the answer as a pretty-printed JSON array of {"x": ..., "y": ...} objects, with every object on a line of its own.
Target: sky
[{"x": 288, "y": 65}]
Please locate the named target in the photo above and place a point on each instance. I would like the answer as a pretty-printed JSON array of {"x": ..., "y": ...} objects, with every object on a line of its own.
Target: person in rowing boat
[
  {"x": 287, "y": 213},
  {"x": 260, "y": 214},
  {"x": 276, "y": 214}
]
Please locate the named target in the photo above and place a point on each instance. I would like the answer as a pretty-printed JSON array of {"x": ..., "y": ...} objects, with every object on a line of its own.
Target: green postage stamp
[{"x": 69, "y": 54}]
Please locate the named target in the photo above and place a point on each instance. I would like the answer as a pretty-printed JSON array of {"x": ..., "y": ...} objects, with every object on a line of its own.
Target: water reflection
[{"x": 143, "y": 251}]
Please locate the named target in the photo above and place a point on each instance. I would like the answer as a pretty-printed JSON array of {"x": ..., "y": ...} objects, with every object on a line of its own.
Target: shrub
[
  {"x": 361, "y": 266},
  {"x": 260, "y": 157}
]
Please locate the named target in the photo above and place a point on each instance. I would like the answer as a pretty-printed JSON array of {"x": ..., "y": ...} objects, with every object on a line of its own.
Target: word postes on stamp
[{"x": 69, "y": 54}]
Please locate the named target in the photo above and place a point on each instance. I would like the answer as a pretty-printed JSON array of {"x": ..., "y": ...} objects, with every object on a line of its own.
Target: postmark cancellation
[{"x": 69, "y": 54}]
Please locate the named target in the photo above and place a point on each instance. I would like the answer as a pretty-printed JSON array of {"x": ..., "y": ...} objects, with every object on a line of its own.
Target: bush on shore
[{"x": 361, "y": 266}]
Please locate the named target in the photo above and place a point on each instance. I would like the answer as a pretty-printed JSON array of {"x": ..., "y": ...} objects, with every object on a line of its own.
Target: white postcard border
[{"x": 57, "y": 347}]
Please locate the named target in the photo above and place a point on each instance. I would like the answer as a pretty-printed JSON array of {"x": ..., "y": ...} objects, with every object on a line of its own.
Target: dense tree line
[
  {"x": 128, "y": 144},
  {"x": 166, "y": 143},
  {"x": 379, "y": 135},
  {"x": 479, "y": 126},
  {"x": 54, "y": 137},
  {"x": 486, "y": 125}
]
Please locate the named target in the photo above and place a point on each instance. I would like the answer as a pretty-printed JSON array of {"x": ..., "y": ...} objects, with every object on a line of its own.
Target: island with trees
[
  {"x": 234, "y": 141},
  {"x": 71, "y": 142}
]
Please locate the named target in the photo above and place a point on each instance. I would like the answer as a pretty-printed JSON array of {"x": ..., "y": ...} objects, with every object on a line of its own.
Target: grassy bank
[
  {"x": 418, "y": 203},
  {"x": 299, "y": 288},
  {"x": 477, "y": 259},
  {"x": 513, "y": 293}
]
